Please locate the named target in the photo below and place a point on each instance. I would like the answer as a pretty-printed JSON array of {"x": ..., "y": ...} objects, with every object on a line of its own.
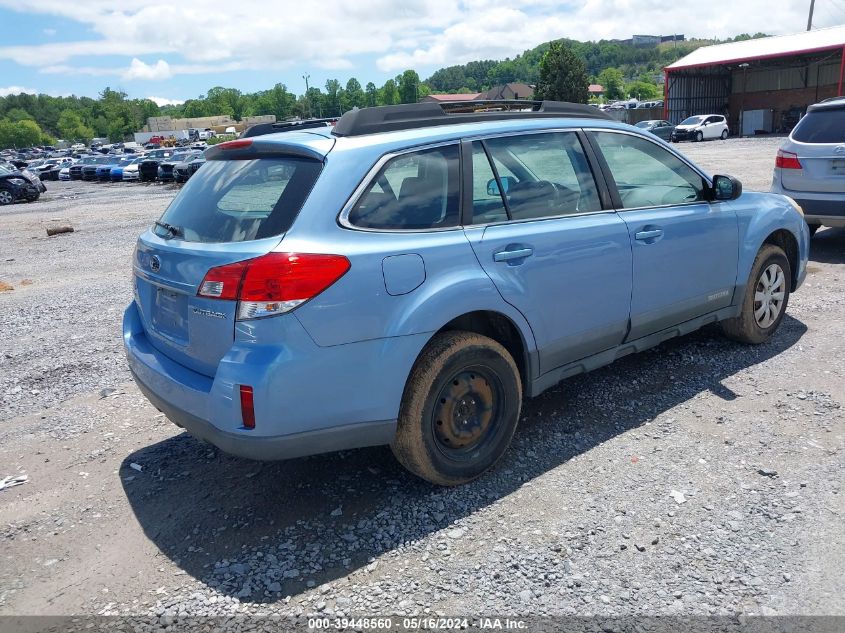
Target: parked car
[
  {"x": 148, "y": 168},
  {"x": 51, "y": 168},
  {"x": 165, "y": 167},
  {"x": 14, "y": 186},
  {"x": 89, "y": 169},
  {"x": 130, "y": 172},
  {"x": 116, "y": 173},
  {"x": 810, "y": 164},
  {"x": 103, "y": 173},
  {"x": 701, "y": 127},
  {"x": 382, "y": 282},
  {"x": 64, "y": 172},
  {"x": 183, "y": 171},
  {"x": 661, "y": 129},
  {"x": 76, "y": 168}
]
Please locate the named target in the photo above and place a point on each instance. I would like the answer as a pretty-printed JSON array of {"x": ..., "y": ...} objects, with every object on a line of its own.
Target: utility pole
[
  {"x": 306, "y": 77},
  {"x": 810, "y": 19}
]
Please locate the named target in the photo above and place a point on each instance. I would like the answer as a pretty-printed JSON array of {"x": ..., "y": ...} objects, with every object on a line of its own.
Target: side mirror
[
  {"x": 507, "y": 183},
  {"x": 726, "y": 188}
]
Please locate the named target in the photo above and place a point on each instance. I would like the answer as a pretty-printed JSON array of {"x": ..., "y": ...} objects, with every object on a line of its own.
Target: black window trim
[
  {"x": 619, "y": 207},
  {"x": 605, "y": 197},
  {"x": 372, "y": 174}
]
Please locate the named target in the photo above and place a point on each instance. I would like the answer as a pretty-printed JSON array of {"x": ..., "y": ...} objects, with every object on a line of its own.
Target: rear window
[
  {"x": 241, "y": 200},
  {"x": 821, "y": 126}
]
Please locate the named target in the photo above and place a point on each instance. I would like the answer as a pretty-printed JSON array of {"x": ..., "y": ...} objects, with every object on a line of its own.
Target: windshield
[
  {"x": 645, "y": 124},
  {"x": 241, "y": 200},
  {"x": 821, "y": 126},
  {"x": 693, "y": 120}
]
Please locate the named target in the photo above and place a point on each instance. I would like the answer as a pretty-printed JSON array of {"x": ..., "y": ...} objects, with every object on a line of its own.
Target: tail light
[
  {"x": 787, "y": 160},
  {"x": 274, "y": 283}
]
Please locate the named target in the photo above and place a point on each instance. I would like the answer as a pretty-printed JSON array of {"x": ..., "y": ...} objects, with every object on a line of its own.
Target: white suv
[{"x": 701, "y": 127}]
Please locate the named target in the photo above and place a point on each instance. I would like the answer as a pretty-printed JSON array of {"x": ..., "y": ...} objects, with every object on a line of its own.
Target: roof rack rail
[
  {"x": 260, "y": 129},
  {"x": 416, "y": 115}
]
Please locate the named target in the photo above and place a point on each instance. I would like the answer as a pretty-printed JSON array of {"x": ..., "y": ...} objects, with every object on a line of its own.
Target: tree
[
  {"x": 409, "y": 82},
  {"x": 19, "y": 134},
  {"x": 372, "y": 94},
  {"x": 613, "y": 83},
  {"x": 389, "y": 94},
  {"x": 72, "y": 128},
  {"x": 642, "y": 90},
  {"x": 562, "y": 76},
  {"x": 353, "y": 95}
]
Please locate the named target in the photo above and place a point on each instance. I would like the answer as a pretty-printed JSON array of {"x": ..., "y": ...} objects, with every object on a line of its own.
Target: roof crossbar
[{"x": 417, "y": 115}]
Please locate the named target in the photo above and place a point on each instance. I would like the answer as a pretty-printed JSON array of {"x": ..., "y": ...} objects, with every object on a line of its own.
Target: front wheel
[
  {"x": 6, "y": 197},
  {"x": 699, "y": 136},
  {"x": 460, "y": 409},
  {"x": 766, "y": 298}
]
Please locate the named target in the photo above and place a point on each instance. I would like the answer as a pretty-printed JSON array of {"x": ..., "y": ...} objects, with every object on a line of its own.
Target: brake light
[
  {"x": 239, "y": 144},
  {"x": 247, "y": 407},
  {"x": 274, "y": 283},
  {"x": 787, "y": 160}
]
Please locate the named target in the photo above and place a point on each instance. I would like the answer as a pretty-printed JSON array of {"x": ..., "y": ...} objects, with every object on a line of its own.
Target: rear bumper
[
  {"x": 827, "y": 209},
  {"x": 307, "y": 401}
]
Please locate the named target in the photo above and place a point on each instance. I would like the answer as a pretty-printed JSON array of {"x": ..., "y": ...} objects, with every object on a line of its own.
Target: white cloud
[
  {"x": 210, "y": 36},
  {"x": 50, "y": 32},
  {"x": 16, "y": 90},
  {"x": 164, "y": 101},
  {"x": 139, "y": 70}
]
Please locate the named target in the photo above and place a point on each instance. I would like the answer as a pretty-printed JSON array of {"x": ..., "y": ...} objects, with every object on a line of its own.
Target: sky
[{"x": 175, "y": 50}]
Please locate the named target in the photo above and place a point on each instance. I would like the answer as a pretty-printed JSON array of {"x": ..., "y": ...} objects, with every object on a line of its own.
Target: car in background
[
  {"x": 130, "y": 171},
  {"x": 183, "y": 171},
  {"x": 661, "y": 129},
  {"x": 89, "y": 170},
  {"x": 407, "y": 276},
  {"x": 50, "y": 170},
  {"x": 810, "y": 164},
  {"x": 64, "y": 173},
  {"x": 701, "y": 127},
  {"x": 116, "y": 172},
  {"x": 165, "y": 168},
  {"x": 103, "y": 172},
  {"x": 148, "y": 168},
  {"x": 76, "y": 168},
  {"x": 15, "y": 186}
]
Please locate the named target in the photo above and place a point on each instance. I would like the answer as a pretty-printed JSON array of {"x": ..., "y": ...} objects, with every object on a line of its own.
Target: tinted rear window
[
  {"x": 241, "y": 200},
  {"x": 821, "y": 126}
]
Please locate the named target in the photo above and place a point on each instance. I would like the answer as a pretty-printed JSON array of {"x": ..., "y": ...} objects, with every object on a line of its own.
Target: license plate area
[{"x": 170, "y": 314}]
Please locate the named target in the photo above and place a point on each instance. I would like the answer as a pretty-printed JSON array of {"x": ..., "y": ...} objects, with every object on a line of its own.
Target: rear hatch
[
  {"x": 818, "y": 141},
  {"x": 237, "y": 207}
]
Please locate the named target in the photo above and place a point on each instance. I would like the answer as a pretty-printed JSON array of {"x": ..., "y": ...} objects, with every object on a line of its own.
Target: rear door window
[
  {"x": 413, "y": 191},
  {"x": 241, "y": 200},
  {"x": 821, "y": 126}
]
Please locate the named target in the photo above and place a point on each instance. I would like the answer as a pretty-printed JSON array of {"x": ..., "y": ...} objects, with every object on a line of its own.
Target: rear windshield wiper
[{"x": 174, "y": 231}]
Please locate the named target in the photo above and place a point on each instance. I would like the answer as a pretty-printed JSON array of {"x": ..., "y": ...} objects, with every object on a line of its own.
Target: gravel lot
[{"x": 701, "y": 477}]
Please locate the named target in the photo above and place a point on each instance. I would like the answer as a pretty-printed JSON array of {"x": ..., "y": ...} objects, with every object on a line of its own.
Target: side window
[
  {"x": 647, "y": 175},
  {"x": 418, "y": 190},
  {"x": 487, "y": 203},
  {"x": 541, "y": 175}
]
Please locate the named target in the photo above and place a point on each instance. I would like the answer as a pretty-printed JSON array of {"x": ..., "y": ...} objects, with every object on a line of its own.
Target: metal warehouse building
[{"x": 771, "y": 80}]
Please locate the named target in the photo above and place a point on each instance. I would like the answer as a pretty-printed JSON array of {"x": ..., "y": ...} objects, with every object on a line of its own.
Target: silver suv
[{"x": 810, "y": 165}]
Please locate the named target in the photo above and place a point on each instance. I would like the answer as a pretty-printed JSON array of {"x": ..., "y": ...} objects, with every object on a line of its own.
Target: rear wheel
[
  {"x": 460, "y": 409},
  {"x": 724, "y": 134},
  {"x": 766, "y": 298}
]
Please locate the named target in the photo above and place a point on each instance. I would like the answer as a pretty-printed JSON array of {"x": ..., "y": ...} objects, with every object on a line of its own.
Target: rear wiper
[{"x": 174, "y": 231}]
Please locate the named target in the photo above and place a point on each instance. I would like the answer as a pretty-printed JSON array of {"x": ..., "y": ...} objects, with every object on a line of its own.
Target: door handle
[
  {"x": 648, "y": 235},
  {"x": 506, "y": 256}
]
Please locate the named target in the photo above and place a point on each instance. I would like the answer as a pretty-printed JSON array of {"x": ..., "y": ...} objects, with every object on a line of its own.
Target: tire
[
  {"x": 699, "y": 136},
  {"x": 459, "y": 376},
  {"x": 32, "y": 197},
  {"x": 813, "y": 228},
  {"x": 6, "y": 197},
  {"x": 749, "y": 327},
  {"x": 724, "y": 135}
]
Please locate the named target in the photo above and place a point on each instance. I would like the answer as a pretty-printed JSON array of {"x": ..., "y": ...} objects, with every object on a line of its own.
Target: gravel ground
[{"x": 701, "y": 477}]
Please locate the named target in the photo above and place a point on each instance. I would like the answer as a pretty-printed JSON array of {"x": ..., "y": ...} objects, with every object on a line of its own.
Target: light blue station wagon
[{"x": 407, "y": 276}]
